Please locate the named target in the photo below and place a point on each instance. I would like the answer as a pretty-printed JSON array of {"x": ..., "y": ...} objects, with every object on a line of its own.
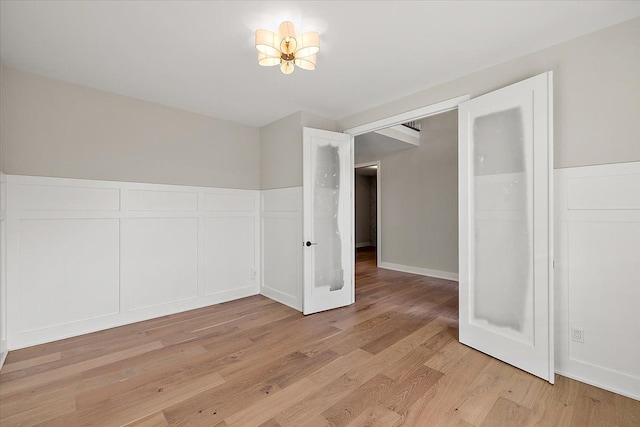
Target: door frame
[
  {"x": 375, "y": 163},
  {"x": 397, "y": 119},
  {"x": 408, "y": 116}
]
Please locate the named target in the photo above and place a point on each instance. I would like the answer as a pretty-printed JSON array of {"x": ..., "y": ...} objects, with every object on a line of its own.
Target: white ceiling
[{"x": 199, "y": 55}]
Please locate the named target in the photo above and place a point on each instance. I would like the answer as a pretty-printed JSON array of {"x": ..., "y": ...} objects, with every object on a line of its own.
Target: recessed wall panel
[
  {"x": 69, "y": 271},
  {"x": 161, "y": 261},
  {"x": 59, "y": 198},
  {"x": 282, "y": 200},
  {"x": 229, "y": 253},
  {"x": 152, "y": 200},
  {"x": 229, "y": 202},
  {"x": 604, "y": 292},
  {"x": 604, "y": 192},
  {"x": 281, "y": 255}
]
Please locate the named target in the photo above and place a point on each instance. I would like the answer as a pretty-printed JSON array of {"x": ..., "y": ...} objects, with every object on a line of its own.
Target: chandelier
[{"x": 286, "y": 48}]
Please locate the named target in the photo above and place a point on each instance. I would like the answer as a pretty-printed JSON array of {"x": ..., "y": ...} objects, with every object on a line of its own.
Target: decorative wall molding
[
  {"x": 87, "y": 255},
  {"x": 97, "y": 234},
  {"x": 597, "y": 275},
  {"x": 419, "y": 270},
  {"x": 282, "y": 246}
]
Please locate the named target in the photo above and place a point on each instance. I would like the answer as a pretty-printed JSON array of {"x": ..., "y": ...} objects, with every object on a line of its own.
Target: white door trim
[
  {"x": 378, "y": 210},
  {"x": 418, "y": 113}
]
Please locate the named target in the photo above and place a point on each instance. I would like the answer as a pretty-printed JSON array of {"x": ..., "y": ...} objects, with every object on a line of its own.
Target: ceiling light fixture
[{"x": 287, "y": 48}]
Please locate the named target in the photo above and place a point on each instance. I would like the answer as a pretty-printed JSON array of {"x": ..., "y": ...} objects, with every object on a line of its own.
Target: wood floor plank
[
  {"x": 154, "y": 420},
  {"x": 64, "y": 405},
  {"x": 391, "y": 359},
  {"x": 358, "y": 401},
  {"x": 448, "y": 357},
  {"x": 119, "y": 381},
  {"x": 28, "y": 400},
  {"x": 246, "y": 388},
  {"x": 307, "y": 412},
  {"x": 627, "y": 411},
  {"x": 553, "y": 405},
  {"x": 594, "y": 407},
  {"x": 377, "y": 416},
  {"x": 9, "y": 387},
  {"x": 486, "y": 388},
  {"x": 386, "y": 340},
  {"x": 267, "y": 408},
  {"x": 28, "y": 363},
  {"x": 270, "y": 423},
  {"x": 141, "y": 402},
  {"x": 448, "y": 391},
  {"x": 506, "y": 413},
  {"x": 416, "y": 383}
]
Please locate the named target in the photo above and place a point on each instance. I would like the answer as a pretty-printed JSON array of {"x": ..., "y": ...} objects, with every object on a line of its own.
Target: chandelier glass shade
[{"x": 287, "y": 49}]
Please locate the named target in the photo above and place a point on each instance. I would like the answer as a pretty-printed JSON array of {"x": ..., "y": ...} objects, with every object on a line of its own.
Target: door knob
[{"x": 309, "y": 243}]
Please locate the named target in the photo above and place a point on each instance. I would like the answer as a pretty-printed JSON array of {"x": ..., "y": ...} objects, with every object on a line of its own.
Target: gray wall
[
  {"x": 58, "y": 129},
  {"x": 596, "y": 95},
  {"x": 419, "y": 196},
  {"x": 362, "y": 202},
  {"x": 281, "y": 149},
  {"x": 281, "y": 153}
]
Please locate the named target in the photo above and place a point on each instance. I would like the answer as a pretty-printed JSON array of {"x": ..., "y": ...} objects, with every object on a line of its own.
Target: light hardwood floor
[{"x": 391, "y": 359}]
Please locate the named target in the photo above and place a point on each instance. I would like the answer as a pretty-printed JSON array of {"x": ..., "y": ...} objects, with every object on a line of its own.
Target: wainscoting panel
[
  {"x": 603, "y": 192},
  {"x": 149, "y": 200},
  {"x": 58, "y": 198},
  {"x": 68, "y": 271},
  {"x": 597, "y": 275},
  {"x": 88, "y": 255},
  {"x": 282, "y": 246},
  {"x": 230, "y": 247},
  {"x": 229, "y": 203},
  {"x": 162, "y": 252}
]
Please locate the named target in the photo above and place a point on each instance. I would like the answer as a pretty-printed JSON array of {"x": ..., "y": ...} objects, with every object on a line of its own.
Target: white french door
[
  {"x": 506, "y": 236},
  {"x": 328, "y": 220}
]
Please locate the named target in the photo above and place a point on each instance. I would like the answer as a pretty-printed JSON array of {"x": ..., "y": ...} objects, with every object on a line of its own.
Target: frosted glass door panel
[
  {"x": 329, "y": 198},
  {"x": 505, "y": 167},
  {"x": 503, "y": 227},
  {"x": 328, "y": 254}
]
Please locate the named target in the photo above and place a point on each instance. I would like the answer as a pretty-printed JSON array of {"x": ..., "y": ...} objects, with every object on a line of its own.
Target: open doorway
[
  {"x": 417, "y": 209},
  {"x": 366, "y": 223}
]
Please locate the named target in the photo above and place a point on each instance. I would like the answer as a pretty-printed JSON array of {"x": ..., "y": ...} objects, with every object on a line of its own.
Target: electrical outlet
[{"x": 577, "y": 335}]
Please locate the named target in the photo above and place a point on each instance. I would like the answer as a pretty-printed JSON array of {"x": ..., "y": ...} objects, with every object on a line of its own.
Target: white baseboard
[
  {"x": 629, "y": 390},
  {"x": 3, "y": 353},
  {"x": 419, "y": 270},
  {"x": 282, "y": 298},
  {"x": 363, "y": 244},
  {"x": 56, "y": 333}
]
